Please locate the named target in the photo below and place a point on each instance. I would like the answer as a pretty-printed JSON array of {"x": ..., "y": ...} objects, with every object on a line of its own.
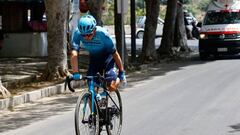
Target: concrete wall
[
  {"x": 33, "y": 44},
  {"x": 24, "y": 45}
]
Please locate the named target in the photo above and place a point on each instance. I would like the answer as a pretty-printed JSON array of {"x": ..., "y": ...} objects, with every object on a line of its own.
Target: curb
[{"x": 34, "y": 95}]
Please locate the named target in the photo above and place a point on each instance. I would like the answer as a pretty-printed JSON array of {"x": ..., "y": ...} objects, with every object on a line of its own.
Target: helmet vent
[
  {"x": 84, "y": 28},
  {"x": 80, "y": 28},
  {"x": 88, "y": 27}
]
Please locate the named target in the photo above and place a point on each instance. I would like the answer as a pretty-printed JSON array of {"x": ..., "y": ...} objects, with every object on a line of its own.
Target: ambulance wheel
[{"x": 203, "y": 56}]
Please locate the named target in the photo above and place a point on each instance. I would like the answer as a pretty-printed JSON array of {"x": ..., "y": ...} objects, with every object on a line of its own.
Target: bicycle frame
[{"x": 91, "y": 88}]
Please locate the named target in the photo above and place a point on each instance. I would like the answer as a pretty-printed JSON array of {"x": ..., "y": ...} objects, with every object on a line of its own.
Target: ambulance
[{"x": 220, "y": 31}]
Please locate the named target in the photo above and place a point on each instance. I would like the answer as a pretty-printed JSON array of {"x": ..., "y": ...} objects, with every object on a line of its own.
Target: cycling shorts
[{"x": 107, "y": 68}]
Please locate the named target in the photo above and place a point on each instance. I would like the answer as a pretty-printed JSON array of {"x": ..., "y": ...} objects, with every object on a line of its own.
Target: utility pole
[
  {"x": 120, "y": 9},
  {"x": 133, "y": 31},
  {"x": 122, "y": 33}
]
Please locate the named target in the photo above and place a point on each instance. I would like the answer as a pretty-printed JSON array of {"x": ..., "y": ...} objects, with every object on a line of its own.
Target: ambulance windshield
[{"x": 213, "y": 18}]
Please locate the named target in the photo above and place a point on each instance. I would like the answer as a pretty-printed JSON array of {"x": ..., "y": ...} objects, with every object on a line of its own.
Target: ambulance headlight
[
  {"x": 237, "y": 35},
  {"x": 203, "y": 36}
]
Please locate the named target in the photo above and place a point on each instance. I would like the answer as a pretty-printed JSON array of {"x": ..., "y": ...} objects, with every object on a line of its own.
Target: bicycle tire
[
  {"x": 86, "y": 123},
  {"x": 114, "y": 114}
]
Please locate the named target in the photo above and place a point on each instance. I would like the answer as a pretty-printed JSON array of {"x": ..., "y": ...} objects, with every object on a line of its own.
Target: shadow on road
[
  {"x": 26, "y": 114},
  {"x": 236, "y": 128}
]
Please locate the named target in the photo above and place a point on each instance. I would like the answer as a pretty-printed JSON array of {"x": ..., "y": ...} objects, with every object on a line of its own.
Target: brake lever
[{"x": 68, "y": 83}]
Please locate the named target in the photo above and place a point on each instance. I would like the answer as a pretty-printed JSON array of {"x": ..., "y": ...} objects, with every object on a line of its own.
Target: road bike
[{"x": 92, "y": 114}]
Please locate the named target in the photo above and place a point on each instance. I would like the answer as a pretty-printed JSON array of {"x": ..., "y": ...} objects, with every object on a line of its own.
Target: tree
[
  {"x": 56, "y": 11},
  {"x": 174, "y": 34},
  {"x": 95, "y": 7},
  {"x": 3, "y": 91},
  {"x": 118, "y": 32},
  {"x": 180, "y": 39},
  {"x": 168, "y": 29},
  {"x": 152, "y": 13}
]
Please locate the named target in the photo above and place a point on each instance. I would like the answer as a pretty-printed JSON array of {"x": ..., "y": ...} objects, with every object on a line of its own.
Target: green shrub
[{"x": 204, "y": 4}]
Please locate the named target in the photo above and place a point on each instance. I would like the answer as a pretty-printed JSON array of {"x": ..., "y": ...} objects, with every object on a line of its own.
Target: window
[
  {"x": 23, "y": 17},
  {"x": 213, "y": 18},
  {"x": 37, "y": 20}
]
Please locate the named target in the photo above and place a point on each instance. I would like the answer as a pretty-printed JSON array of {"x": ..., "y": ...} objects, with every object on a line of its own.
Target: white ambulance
[{"x": 220, "y": 31}]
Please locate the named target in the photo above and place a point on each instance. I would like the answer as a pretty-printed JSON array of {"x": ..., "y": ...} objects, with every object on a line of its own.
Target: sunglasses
[{"x": 87, "y": 35}]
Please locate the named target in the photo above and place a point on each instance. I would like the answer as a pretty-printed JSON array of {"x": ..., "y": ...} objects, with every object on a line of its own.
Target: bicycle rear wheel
[
  {"x": 86, "y": 123},
  {"x": 114, "y": 113}
]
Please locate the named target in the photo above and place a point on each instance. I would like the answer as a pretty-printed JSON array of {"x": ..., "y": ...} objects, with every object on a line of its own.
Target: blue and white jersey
[{"x": 100, "y": 47}]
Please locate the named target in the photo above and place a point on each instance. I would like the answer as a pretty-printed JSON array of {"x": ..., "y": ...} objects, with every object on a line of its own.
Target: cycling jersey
[{"x": 100, "y": 48}]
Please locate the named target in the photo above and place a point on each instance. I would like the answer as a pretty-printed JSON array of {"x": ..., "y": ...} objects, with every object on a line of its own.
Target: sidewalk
[{"x": 16, "y": 73}]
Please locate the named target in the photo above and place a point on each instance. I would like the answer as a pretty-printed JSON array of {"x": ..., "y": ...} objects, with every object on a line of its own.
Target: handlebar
[
  {"x": 69, "y": 79},
  {"x": 68, "y": 83}
]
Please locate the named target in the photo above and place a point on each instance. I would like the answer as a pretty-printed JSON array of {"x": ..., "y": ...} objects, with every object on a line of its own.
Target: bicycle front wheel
[
  {"x": 114, "y": 113},
  {"x": 86, "y": 122}
]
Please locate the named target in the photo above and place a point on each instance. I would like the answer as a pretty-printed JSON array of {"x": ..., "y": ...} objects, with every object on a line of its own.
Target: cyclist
[{"x": 103, "y": 54}]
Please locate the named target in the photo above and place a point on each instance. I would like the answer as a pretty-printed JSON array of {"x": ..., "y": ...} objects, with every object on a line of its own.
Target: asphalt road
[
  {"x": 190, "y": 98},
  {"x": 199, "y": 99}
]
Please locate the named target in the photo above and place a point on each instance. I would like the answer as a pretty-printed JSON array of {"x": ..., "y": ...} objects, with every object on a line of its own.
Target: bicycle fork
[
  {"x": 86, "y": 101},
  {"x": 91, "y": 88}
]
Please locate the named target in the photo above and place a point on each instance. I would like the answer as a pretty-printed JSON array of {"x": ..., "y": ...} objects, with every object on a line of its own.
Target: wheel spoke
[
  {"x": 114, "y": 114},
  {"x": 85, "y": 121}
]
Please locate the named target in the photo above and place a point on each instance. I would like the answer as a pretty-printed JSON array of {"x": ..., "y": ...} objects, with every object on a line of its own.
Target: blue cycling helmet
[{"x": 86, "y": 24}]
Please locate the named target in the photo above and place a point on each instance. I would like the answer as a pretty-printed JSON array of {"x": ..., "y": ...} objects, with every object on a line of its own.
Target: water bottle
[{"x": 123, "y": 83}]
